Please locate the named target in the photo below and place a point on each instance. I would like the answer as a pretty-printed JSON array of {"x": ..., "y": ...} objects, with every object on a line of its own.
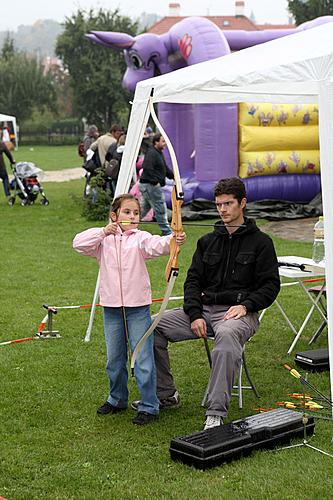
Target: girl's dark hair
[
  {"x": 117, "y": 202},
  {"x": 231, "y": 185}
]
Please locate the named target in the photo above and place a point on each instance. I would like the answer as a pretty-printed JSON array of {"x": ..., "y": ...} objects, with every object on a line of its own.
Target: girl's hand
[
  {"x": 180, "y": 238},
  {"x": 111, "y": 228}
]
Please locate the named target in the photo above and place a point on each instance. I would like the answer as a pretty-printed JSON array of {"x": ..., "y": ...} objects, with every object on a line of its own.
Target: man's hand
[
  {"x": 235, "y": 312},
  {"x": 199, "y": 327}
]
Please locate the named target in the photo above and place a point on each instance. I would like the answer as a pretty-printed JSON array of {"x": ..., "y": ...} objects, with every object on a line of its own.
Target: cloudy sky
[{"x": 28, "y": 11}]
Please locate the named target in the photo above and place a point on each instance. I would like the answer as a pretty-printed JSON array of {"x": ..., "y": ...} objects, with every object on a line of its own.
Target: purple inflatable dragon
[{"x": 205, "y": 136}]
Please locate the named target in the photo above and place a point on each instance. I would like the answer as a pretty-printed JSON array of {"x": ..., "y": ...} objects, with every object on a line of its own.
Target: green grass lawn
[
  {"x": 53, "y": 445},
  {"x": 49, "y": 157}
]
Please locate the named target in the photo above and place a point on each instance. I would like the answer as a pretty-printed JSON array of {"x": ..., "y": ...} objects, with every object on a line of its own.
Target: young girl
[{"x": 125, "y": 293}]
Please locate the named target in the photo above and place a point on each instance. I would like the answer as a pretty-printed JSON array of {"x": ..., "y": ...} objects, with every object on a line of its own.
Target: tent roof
[
  {"x": 291, "y": 65},
  {"x": 4, "y": 118}
]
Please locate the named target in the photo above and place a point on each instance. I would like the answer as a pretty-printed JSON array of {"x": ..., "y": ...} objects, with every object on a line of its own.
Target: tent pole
[{"x": 325, "y": 138}]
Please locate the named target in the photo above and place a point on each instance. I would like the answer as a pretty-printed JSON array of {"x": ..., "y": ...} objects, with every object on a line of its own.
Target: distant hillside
[{"x": 40, "y": 38}]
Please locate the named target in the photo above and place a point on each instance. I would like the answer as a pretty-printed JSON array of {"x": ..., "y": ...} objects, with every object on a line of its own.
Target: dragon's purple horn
[
  {"x": 94, "y": 39},
  {"x": 112, "y": 39}
]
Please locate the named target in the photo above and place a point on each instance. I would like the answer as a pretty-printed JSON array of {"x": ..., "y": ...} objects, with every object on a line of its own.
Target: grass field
[
  {"x": 49, "y": 158},
  {"x": 53, "y": 445}
]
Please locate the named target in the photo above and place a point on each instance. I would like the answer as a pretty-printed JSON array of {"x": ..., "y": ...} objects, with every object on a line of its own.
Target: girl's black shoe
[
  {"x": 144, "y": 418},
  {"x": 107, "y": 408}
]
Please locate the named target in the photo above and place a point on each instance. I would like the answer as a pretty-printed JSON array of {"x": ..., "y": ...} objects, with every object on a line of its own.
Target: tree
[
  {"x": 95, "y": 71},
  {"x": 8, "y": 49},
  {"x": 23, "y": 86},
  {"x": 305, "y": 10},
  {"x": 61, "y": 82}
]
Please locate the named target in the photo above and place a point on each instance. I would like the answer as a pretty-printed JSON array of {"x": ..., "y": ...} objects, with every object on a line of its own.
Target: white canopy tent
[
  {"x": 294, "y": 69},
  {"x": 8, "y": 118}
]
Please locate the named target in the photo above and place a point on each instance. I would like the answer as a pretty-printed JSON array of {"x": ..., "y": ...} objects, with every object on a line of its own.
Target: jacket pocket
[
  {"x": 212, "y": 266},
  {"x": 244, "y": 268}
]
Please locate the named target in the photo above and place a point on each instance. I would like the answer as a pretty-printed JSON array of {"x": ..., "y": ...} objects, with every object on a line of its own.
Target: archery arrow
[{"x": 303, "y": 380}]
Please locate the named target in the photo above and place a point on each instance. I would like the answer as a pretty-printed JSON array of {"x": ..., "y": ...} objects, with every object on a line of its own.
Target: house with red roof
[{"x": 237, "y": 22}]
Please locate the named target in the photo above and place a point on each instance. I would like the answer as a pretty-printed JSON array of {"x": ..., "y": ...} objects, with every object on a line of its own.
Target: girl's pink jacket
[{"x": 124, "y": 279}]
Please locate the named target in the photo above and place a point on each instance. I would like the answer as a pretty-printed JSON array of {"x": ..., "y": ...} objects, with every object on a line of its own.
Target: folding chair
[
  {"x": 239, "y": 387},
  {"x": 322, "y": 304}
]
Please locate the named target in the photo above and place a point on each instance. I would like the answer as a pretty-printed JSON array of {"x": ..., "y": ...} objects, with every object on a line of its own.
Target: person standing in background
[
  {"x": 154, "y": 172},
  {"x": 3, "y": 170},
  {"x": 104, "y": 142},
  {"x": 90, "y": 137}
]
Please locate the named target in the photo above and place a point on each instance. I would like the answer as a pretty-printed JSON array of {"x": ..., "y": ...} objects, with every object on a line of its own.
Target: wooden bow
[
  {"x": 172, "y": 267},
  {"x": 177, "y": 227}
]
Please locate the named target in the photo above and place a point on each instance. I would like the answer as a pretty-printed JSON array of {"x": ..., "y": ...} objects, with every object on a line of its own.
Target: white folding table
[{"x": 301, "y": 277}]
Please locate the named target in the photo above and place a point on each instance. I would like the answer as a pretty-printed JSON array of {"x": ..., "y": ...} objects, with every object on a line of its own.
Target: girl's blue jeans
[{"x": 138, "y": 321}]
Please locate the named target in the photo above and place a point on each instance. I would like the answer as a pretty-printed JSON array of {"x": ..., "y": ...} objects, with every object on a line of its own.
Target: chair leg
[
  {"x": 324, "y": 323},
  {"x": 318, "y": 332},
  {"x": 204, "y": 399},
  {"x": 208, "y": 352},
  {"x": 240, "y": 385},
  {"x": 253, "y": 387}
]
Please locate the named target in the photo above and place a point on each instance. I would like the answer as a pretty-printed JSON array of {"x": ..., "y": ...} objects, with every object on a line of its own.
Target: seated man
[{"x": 234, "y": 274}]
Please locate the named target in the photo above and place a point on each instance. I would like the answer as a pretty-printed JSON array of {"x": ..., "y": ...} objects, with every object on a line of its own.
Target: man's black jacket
[
  {"x": 154, "y": 168},
  {"x": 240, "y": 268}
]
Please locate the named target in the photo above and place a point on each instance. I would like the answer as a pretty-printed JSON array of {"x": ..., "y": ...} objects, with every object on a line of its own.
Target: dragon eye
[{"x": 136, "y": 61}]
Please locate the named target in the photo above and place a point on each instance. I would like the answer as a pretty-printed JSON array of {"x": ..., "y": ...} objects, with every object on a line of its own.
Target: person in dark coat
[
  {"x": 90, "y": 137},
  {"x": 154, "y": 172},
  {"x": 3, "y": 171}
]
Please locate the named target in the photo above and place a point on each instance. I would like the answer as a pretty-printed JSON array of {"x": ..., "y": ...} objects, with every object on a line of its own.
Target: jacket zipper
[
  {"x": 228, "y": 259},
  {"x": 120, "y": 271}
]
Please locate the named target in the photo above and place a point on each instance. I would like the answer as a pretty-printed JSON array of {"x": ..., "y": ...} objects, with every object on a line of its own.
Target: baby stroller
[{"x": 26, "y": 184}]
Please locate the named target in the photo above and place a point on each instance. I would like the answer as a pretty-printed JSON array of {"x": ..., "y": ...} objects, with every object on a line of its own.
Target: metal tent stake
[{"x": 50, "y": 333}]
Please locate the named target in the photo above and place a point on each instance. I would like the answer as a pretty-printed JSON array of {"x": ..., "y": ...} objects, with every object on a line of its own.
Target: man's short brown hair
[
  {"x": 231, "y": 185},
  {"x": 116, "y": 128},
  {"x": 156, "y": 138}
]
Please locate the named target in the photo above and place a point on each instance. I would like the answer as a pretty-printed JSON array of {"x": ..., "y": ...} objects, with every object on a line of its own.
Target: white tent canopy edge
[{"x": 294, "y": 69}]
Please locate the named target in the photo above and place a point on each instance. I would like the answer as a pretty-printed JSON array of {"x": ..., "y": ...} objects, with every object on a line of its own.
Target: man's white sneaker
[{"x": 213, "y": 421}]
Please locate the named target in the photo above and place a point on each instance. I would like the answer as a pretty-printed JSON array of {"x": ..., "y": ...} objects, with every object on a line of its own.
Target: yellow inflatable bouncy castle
[{"x": 278, "y": 139}]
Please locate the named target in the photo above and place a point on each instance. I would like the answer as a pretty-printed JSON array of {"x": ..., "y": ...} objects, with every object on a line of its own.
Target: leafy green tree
[
  {"x": 8, "y": 49},
  {"x": 305, "y": 10},
  {"x": 23, "y": 86},
  {"x": 95, "y": 72},
  {"x": 61, "y": 81}
]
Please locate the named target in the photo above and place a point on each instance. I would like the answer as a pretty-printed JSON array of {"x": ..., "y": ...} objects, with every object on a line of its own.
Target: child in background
[{"x": 125, "y": 294}]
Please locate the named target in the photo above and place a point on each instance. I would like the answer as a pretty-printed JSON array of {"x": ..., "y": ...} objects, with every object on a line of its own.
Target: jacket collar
[{"x": 250, "y": 227}]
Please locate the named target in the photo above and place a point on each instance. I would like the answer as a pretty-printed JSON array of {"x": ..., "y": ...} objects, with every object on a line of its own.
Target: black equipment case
[
  {"x": 317, "y": 359},
  {"x": 223, "y": 443}
]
